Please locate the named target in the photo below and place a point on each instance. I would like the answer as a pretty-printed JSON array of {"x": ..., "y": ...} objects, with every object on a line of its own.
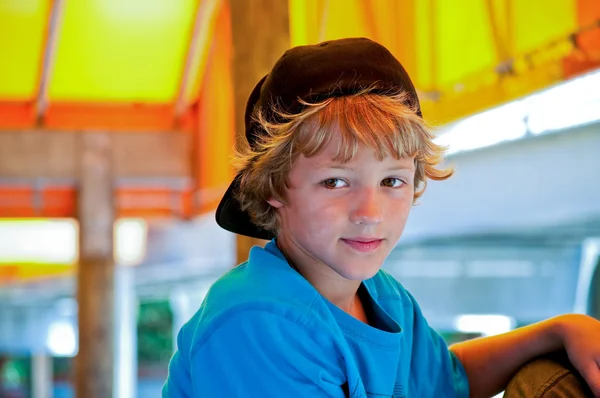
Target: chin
[{"x": 360, "y": 273}]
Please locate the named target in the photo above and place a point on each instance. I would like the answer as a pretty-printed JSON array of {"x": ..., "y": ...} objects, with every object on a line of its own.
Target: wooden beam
[
  {"x": 43, "y": 154},
  {"x": 261, "y": 34},
  {"x": 39, "y": 174}
]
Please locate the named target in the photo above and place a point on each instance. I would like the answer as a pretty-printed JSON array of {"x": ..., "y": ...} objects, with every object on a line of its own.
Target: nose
[{"x": 367, "y": 208}]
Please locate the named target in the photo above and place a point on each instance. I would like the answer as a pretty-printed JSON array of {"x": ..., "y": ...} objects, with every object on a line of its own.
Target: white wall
[{"x": 531, "y": 183}]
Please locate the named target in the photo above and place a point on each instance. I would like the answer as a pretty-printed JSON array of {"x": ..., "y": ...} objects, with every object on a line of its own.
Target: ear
[{"x": 275, "y": 203}]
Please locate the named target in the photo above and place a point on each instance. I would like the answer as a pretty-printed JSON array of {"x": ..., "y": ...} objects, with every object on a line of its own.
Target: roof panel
[
  {"x": 464, "y": 41},
  {"x": 337, "y": 27},
  {"x": 534, "y": 29},
  {"x": 115, "y": 50},
  {"x": 22, "y": 32},
  {"x": 306, "y": 18}
]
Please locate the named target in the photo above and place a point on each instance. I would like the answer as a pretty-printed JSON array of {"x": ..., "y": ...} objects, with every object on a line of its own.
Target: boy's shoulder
[{"x": 264, "y": 283}]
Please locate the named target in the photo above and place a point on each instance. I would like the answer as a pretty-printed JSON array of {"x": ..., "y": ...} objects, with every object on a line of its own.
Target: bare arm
[{"x": 490, "y": 362}]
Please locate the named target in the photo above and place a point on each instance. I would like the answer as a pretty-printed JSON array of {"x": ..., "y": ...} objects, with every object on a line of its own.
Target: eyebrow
[{"x": 337, "y": 166}]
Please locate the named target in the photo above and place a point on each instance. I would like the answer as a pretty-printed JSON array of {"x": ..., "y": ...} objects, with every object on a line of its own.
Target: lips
[{"x": 364, "y": 245}]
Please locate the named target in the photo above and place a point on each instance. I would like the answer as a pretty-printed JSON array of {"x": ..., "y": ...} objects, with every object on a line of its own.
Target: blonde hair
[{"x": 383, "y": 123}]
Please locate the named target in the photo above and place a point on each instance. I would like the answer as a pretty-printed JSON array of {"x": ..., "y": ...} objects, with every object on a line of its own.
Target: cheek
[
  {"x": 319, "y": 220},
  {"x": 399, "y": 209}
]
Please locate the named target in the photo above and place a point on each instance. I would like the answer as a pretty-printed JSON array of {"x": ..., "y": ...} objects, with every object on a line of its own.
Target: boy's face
[{"x": 344, "y": 219}]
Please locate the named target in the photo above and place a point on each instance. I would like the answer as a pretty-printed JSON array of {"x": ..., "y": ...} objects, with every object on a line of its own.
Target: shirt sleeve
[
  {"x": 435, "y": 371},
  {"x": 178, "y": 383},
  {"x": 262, "y": 354}
]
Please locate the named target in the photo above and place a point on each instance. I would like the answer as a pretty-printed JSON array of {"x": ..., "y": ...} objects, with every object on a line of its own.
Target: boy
[{"x": 337, "y": 154}]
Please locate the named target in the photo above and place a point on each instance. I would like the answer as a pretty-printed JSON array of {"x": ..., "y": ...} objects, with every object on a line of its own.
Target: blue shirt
[{"x": 265, "y": 331}]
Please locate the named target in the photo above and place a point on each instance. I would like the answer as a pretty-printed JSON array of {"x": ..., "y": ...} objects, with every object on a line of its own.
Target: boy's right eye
[{"x": 332, "y": 183}]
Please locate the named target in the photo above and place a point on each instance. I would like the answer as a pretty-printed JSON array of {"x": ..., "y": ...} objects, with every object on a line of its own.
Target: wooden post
[
  {"x": 261, "y": 34},
  {"x": 95, "y": 277}
]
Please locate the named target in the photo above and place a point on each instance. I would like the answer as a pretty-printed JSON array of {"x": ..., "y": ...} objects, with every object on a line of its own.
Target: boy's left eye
[{"x": 392, "y": 182}]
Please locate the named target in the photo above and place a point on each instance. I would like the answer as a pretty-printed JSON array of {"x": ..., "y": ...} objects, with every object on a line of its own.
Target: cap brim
[{"x": 230, "y": 216}]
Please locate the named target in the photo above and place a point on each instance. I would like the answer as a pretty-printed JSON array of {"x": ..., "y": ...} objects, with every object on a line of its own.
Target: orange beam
[
  {"x": 17, "y": 202},
  {"x": 587, "y": 53},
  {"x": 24, "y": 201},
  {"x": 58, "y": 202},
  {"x": 17, "y": 115},
  {"x": 214, "y": 134},
  {"x": 588, "y": 14},
  {"x": 109, "y": 117},
  {"x": 90, "y": 116}
]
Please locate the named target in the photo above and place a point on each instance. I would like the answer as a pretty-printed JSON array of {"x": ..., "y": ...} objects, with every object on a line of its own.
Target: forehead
[
  {"x": 358, "y": 131},
  {"x": 365, "y": 156}
]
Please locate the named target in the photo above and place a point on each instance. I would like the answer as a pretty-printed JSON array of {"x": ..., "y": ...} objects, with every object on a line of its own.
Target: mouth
[{"x": 363, "y": 244}]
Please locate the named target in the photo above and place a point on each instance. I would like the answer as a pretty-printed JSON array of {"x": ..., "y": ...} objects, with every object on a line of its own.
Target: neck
[{"x": 340, "y": 291}]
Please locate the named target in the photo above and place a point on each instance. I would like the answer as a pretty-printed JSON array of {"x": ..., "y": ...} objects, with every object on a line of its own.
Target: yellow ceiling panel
[
  {"x": 346, "y": 18},
  {"x": 313, "y": 21},
  {"x": 299, "y": 16},
  {"x": 306, "y": 18},
  {"x": 538, "y": 22},
  {"x": 454, "y": 41},
  {"x": 122, "y": 50},
  {"x": 22, "y": 32}
]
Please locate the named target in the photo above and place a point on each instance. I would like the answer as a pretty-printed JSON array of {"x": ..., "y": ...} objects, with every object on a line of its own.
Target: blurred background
[{"x": 117, "y": 122}]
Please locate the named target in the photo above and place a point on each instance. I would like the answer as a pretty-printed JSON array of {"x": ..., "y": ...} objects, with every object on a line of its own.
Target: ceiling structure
[{"x": 140, "y": 65}]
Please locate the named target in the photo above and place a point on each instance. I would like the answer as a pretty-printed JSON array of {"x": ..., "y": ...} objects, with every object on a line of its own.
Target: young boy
[{"x": 337, "y": 153}]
